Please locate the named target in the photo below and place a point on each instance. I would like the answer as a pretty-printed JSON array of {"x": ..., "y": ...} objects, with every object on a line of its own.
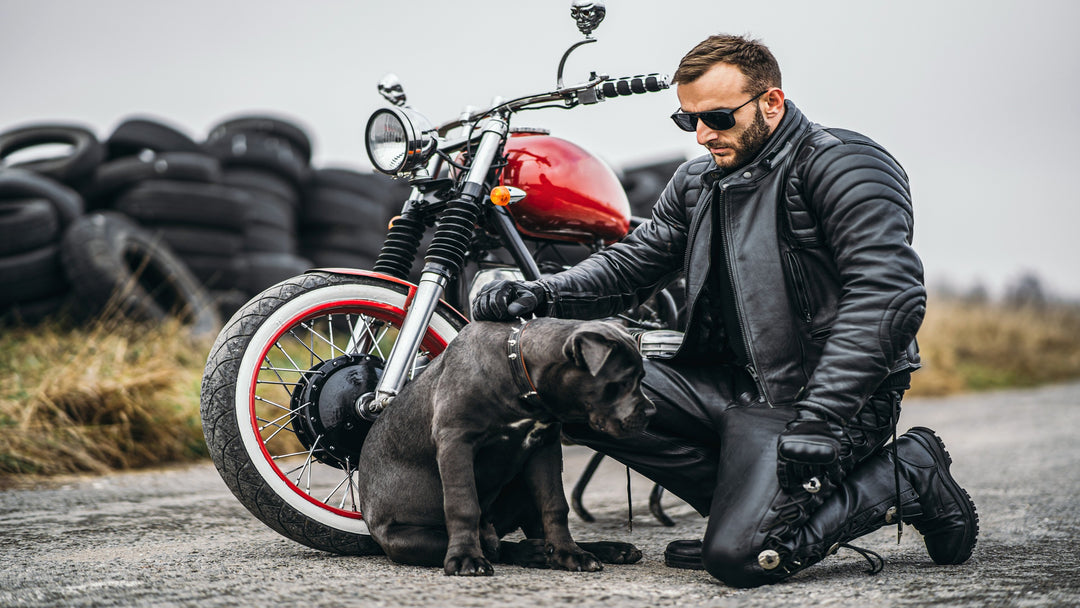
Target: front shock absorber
[
  {"x": 401, "y": 244},
  {"x": 444, "y": 260},
  {"x": 455, "y": 232}
]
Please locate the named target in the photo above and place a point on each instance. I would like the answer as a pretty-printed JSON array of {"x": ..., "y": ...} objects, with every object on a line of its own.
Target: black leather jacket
[{"x": 828, "y": 290}]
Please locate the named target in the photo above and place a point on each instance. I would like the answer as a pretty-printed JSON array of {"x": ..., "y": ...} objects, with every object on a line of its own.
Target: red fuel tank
[{"x": 571, "y": 194}]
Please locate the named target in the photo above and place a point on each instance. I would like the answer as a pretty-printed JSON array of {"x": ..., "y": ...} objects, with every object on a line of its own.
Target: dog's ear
[{"x": 588, "y": 349}]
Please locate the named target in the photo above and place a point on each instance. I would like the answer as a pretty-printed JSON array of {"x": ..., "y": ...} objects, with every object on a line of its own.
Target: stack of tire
[
  {"x": 34, "y": 211},
  {"x": 268, "y": 159},
  {"x": 51, "y": 255},
  {"x": 344, "y": 216},
  {"x": 644, "y": 182},
  {"x": 227, "y": 207}
]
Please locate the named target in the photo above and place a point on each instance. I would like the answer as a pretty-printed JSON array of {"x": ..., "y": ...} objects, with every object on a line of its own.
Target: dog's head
[{"x": 602, "y": 383}]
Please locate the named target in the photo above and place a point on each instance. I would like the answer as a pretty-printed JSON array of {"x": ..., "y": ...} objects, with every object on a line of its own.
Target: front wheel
[{"x": 278, "y": 395}]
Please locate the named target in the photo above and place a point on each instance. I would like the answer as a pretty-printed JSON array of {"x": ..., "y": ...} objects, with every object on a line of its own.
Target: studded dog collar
[{"x": 526, "y": 389}]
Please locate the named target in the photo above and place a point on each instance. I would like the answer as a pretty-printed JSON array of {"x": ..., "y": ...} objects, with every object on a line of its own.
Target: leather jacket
[{"x": 817, "y": 229}]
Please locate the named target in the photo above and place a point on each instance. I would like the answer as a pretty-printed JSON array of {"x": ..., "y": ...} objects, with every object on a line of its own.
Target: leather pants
[{"x": 713, "y": 444}]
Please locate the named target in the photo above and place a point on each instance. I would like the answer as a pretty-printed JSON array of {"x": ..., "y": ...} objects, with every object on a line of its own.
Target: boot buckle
[{"x": 768, "y": 559}]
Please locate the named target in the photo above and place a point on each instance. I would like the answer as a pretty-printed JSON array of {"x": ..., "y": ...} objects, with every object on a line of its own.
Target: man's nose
[{"x": 704, "y": 133}]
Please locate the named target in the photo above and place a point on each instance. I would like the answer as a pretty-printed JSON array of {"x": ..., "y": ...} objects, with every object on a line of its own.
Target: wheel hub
[{"x": 326, "y": 421}]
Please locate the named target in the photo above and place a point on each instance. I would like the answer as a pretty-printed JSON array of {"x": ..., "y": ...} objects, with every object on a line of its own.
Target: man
[{"x": 803, "y": 297}]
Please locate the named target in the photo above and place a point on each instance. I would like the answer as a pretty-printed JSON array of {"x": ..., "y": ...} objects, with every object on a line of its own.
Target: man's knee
[{"x": 733, "y": 565}]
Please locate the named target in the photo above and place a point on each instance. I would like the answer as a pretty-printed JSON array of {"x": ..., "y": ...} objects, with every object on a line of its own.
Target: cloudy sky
[{"x": 975, "y": 98}]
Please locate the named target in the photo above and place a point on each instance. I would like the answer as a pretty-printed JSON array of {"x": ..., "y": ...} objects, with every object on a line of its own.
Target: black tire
[
  {"x": 163, "y": 202},
  {"x": 229, "y": 301},
  {"x": 334, "y": 207},
  {"x": 29, "y": 313},
  {"x": 363, "y": 241},
  {"x": 27, "y": 224},
  {"x": 217, "y": 272},
  {"x": 31, "y": 276},
  {"x": 266, "y": 269},
  {"x": 249, "y": 459},
  {"x": 134, "y": 135},
  {"x": 20, "y": 183},
  {"x": 115, "y": 176},
  {"x": 269, "y": 125},
  {"x": 197, "y": 240},
  {"x": 111, "y": 260},
  {"x": 259, "y": 181},
  {"x": 644, "y": 183},
  {"x": 269, "y": 210},
  {"x": 332, "y": 258},
  {"x": 262, "y": 238},
  {"x": 375, "y": 186},
  {"x": 256, "y": 150},
  {"x": 86, "y": 151}
]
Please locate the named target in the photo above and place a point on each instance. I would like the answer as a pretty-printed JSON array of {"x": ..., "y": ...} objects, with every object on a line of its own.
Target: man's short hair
[{"x": 753, "y": 59}]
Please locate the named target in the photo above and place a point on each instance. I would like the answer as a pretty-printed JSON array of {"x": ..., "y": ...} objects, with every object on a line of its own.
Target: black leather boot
[
  {"x": 948, "y": 523},
  {"x": 685, "y": 554},
  {"x": 929, "y": 497}
]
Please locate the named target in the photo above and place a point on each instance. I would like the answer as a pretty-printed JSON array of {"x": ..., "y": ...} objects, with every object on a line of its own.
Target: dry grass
[
  {"x": 979, "y": 346},
  {"x": 111, "y": 395},
  {"x": 115, "y": 395}
]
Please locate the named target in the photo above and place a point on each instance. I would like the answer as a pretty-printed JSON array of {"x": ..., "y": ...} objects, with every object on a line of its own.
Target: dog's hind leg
[{"x": 415, "y": 545}]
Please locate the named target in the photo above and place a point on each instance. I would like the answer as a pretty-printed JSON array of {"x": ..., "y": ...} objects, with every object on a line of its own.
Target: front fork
[{"x": 443, "y": 262}]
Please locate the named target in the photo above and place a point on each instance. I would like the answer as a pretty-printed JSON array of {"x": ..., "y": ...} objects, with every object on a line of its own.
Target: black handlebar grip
[{"x": 631, "y": 85}]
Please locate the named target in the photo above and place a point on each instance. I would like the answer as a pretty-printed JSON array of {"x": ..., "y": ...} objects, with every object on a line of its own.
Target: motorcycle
[{"x": 298, "y": 375}]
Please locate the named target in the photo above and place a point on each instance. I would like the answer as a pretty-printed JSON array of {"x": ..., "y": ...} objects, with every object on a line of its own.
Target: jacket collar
[{"x": 781, "y": 143}]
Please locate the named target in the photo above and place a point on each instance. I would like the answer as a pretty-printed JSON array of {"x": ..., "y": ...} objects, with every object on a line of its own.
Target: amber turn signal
[{"x": 500, "y": 195}]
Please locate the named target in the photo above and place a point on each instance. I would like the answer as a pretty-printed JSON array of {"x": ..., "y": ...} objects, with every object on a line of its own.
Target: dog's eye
[{"x": 612, "y": 390}]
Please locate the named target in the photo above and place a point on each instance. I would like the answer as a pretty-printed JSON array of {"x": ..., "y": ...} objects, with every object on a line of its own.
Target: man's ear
[{"x": 588, "y": 350}]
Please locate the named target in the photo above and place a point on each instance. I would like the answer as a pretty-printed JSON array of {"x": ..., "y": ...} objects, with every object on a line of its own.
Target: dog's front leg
[
  {"x": 543, "y": 474},
  {"x": 456, "y": 453}
]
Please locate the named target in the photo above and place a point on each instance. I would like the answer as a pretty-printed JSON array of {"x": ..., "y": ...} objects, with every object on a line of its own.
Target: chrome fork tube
[{"x": 433, "y": 281}]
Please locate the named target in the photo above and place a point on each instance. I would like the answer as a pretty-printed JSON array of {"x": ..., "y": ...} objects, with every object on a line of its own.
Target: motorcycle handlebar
[
  {"x": 597, "y": 89},
  {"x": 633, "y": 85}
]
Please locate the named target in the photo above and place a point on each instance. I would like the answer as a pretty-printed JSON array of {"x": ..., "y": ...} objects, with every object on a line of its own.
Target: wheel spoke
[
  {"x": 307, "y": 465},
  {"x": 296, "y": 367},
  {"x": 321, "y": 337},
  {"x": 334, "y": 491},
  {"x": 274, "y": 434},
  {"x": 287, "y": 414},
  {"x": 280, "y": 407}
]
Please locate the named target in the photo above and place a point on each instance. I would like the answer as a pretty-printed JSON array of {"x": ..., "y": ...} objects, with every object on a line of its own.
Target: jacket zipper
[
  {"x": 751, "y": 366},
  {"x": 799, "y": 280},
  {"x": 694, "y": 224}
]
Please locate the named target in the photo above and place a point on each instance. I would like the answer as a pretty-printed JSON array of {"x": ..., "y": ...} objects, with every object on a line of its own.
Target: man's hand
[
  {"x": 808, "y": 453},
  {"x": 508, "y": 300}
]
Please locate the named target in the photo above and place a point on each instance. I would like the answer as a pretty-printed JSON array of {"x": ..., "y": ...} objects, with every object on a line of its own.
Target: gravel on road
[{"x": 177, "y": 537}]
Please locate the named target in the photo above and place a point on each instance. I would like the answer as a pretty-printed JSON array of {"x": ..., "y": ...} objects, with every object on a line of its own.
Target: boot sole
[{"x": 933, "y": 443}]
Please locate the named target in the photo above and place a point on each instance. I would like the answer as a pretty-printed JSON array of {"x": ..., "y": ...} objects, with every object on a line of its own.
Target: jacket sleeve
[
  {"x": 629, "y": 271},
  {"x": 863, "y": 202}
]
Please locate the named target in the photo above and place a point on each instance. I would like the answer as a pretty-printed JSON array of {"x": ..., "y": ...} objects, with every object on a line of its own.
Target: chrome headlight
[{"x": 398, "y": 140}]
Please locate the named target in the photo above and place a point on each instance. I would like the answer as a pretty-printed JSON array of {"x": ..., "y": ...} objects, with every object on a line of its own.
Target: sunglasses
[{"x": 718, "y": 120}]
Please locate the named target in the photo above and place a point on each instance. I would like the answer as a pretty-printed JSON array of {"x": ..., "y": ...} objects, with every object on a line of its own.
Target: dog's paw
[
  {"x": 573, "y": 559},
  {"x": 467, "y": 565},
  {"x": 611, "y": 552}
]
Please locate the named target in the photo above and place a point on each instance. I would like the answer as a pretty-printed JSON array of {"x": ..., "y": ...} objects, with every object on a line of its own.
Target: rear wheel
[{"x": 278, "y": 395}]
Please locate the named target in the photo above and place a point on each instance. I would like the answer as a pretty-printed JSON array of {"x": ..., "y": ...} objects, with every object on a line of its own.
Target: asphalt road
[{"x": 178, "y": 537}]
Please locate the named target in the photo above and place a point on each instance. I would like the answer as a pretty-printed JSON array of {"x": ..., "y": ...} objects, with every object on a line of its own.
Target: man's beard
[{"x": 751, "y": 141}]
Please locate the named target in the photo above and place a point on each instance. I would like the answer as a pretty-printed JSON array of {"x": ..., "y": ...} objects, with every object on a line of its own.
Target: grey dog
[{"x": 470, "y": 449}]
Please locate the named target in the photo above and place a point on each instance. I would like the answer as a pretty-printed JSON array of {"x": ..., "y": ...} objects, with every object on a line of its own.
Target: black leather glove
[
  {"x": 808, "y": 453},
  {"x": 508, "y": 300}
]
